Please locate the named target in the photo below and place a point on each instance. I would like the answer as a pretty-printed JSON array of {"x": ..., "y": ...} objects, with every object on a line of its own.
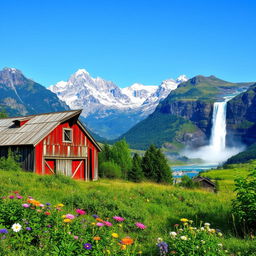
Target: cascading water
[
  {"x": 218, "y": 134},
  {"x": 216, "y": 152}
]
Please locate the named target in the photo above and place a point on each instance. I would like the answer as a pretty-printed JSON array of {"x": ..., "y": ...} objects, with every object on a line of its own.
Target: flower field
[{"x": 54, "y": 215}]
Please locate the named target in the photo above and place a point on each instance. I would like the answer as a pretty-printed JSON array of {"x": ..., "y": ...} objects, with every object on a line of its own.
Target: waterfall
[
  {"x": 216, "y": 151},
  {"x": 218, "y": 133}
]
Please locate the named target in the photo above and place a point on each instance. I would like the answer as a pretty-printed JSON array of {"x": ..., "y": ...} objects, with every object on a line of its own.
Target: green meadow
[{"x": 159, "y": 207}]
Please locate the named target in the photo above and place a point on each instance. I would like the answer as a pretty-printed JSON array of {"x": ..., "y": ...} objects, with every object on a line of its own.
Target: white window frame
[{"x": 63, "y": 135}]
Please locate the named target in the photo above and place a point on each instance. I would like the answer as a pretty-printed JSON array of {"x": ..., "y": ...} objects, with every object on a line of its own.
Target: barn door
[
  {"x": 49, "y": 166},
  {"x": 64, "y": 167},
  {"x": 78, "y": 169}
]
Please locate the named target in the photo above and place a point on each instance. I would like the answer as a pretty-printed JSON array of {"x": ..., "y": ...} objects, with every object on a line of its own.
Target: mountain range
[{"x": 107, "y": 109}]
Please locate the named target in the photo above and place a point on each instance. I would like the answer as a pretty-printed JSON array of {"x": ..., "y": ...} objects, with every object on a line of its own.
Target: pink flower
[
  {"x": 76, "y": 237},
  {"x": 26, "y": 205},
  {"x": 140, "y": 225},
  {"x": 99, "y": 224},
  {"x": 69, "y": 216},
  {"x": 41, "y": 205},
  {"x": 80, "y": 211},
  {"x": 117, "y": 218},
  {"x": 11, "y": 197},
  {"x": 19, "y": 196},
  {"x": 107, "y": 223}
]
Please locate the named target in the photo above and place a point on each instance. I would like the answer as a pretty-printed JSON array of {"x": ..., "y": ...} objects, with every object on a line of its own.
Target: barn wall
[
  {"x": 67, "y": 154},
  {"x": 25, "y": 155}
]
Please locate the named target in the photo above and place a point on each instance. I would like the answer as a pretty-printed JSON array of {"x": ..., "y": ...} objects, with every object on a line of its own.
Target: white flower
[
  {"x": 159, "y": 240},
  {"x": 183, "y": 238},
  {"x": 207, "y": 224},
  {"x": 16, "y": 227},
  {"x": 220, "y": 245},
  {"x": 202, "y": 228},
  {"x": 219, "y": 234},
  {"x": 173, "y": 234}
]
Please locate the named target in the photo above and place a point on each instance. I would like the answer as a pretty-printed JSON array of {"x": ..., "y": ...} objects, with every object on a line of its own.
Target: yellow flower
[
  {"x": 123, "y": 247},
  {"x": 63, "y": 216},
  {"x": 115, "y": 235},
  {"x": 67, "y": 220},
  {"x": 108, "y": 251},
  {"x": 140, "y": 252},
  {"x": 184, "y": 220},
  {"x": 120, "y": 225},
  {"x": 93, "y": 223},
  {"x": 96, "y": 238},
  {"x": 59, "y": 205}
]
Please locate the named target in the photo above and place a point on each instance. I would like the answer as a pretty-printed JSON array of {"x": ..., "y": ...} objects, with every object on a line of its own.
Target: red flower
[{"x": 47, "y": 213}]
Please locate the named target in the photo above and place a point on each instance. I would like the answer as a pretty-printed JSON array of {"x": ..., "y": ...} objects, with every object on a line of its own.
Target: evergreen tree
[
  {"x": 155, "y": 166},
  {"x": 121, "y": 155},
  {"x": 136, "y": 174},
  {"x": 104, "y": 156}
]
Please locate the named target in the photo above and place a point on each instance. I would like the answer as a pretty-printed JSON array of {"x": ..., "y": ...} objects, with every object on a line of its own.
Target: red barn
[{"x": 51, "y": 143}]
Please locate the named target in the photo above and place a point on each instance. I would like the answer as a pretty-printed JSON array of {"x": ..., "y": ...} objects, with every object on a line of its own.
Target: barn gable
[{"x": 59, "y": 141}]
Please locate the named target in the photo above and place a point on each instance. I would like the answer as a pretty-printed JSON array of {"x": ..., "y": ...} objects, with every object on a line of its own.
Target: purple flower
[
  {"x": 28, "y": 228},
  {"x": 95, "y": 216},
  {"x": 3, "y": 237},
  {"x": 3, "y": 231},
  {"x": 49, "y": 226},
  {"x": 11, "y": 197},
  {"x": 19, "y": 197},
  {"x": 99, "y": 224},
  {"x": 69, "y": 216},
  {"x": 26, "y": 205},
  {"x": 163, "y": 247},
  {"x": 87, "y": 246},
  {"x": 140, "y": 225},
  {"x": 48, "y": 204}
]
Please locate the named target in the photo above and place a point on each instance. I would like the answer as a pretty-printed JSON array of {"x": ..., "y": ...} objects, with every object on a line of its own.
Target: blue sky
[{"x": 129, "y": 41}]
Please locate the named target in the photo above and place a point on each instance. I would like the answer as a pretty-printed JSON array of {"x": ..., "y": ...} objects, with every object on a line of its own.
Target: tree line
[{"x": 117, "y": 162}]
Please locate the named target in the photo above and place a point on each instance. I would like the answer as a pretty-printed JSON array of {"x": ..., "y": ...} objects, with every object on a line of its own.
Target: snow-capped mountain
[{"x": 105, "y": 104}]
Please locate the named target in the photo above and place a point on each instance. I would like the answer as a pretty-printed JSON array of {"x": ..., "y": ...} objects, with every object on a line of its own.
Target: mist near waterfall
[{"x": 216, "y": 152}]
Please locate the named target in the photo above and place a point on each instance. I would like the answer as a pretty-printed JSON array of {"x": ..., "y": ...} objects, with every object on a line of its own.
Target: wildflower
[
  {"x": 28, "y": 228},
  {"x": 80, "y": 211},
  {"x": 115, "y": 235},
  {"x": 127, "y": 241},
  {"x": 108, "y": 251},
  {"x": 207, "y": 224},
  {"x": 25, "y": 205},
  {"x": 67, "y": 220},
  {"x": 41, "y": 205},
  {"x": 118, "y": 218},
  {"x": 95, "y": 216},
  {"x": 48, "y": 204},
  {"x": 159, "y": 240},
  {"x": 3, "y": 231},
  {"x": 3, "y": 237},
  {"x": 184, "y": 220},
  {"x": 96, "y": 238},
  {"x": 163, "y": 247},
  {"x": 202, "y": 241},
  {"x": 93, "y": 223},
  {"x": 11, "y": 197},
  {"x": 120, "y": 225},
  {"x": 123, "y": 247},
  {"x": 211, "y": 230},
  {"x": 16, "y": 227},
  {"x": 219, "y": 234},
  {"x": 140, "y": 225},
  {"x": 16, "y": 192},
  {"x": 69, "y": 216},
  {"x": 99, "y": 219},
  {"x": 183, "y": 238},
  {"x": 202, "y": 228},
  {"x": 139, "y": 252},
  {"x": 87, "y": 246},
  {"x": 99, "y": 224},
  {"x": 220, "y": 245},
  {"x": 107, "y": 223},
  {"x": 47, "y": 213},
  {"x": 173, "y": 234},
  {"x": 19, "y": 197},
  {"x": 76, "y": 237}
]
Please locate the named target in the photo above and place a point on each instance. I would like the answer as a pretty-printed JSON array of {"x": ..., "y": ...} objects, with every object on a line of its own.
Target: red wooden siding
[
  {"x": 49, "y": 166},
  {"x": 55, "y": 151}
]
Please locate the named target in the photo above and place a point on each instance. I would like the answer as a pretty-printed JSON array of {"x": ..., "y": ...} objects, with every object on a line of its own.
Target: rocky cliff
[{"x": 241, "y": 117}]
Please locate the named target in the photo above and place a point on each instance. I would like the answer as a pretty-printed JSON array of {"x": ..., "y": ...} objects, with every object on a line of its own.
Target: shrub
[
  {"x": 10, "y": 163},
  {"x": 244, "y": 205},
  {"x": 189, "y": 240},
  {"x": 111, "y": 170},
  {"x": 188, "y": 182}
]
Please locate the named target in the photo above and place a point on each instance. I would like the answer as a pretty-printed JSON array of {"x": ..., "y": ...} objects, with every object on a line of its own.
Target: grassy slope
[{"x": 158, "y": 206}]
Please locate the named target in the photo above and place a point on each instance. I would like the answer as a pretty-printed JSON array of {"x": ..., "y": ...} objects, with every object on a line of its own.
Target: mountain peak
[
  {"x": 11, "y": 70},
  {"x": 82, "y": 71},
  {"x": 182, "y": 78}
]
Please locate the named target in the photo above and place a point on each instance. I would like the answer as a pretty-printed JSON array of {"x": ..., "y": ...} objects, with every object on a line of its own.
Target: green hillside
[
  {"x": 184, "y": 117},
  {"x": 158, "y": 207}
]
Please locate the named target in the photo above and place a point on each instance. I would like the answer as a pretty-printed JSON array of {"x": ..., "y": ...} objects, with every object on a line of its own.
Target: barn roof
[{"x": 36, "y": 128}]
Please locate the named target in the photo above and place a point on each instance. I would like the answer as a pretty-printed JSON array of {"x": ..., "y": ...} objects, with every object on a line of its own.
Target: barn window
[{"x": 67, "y": 135}]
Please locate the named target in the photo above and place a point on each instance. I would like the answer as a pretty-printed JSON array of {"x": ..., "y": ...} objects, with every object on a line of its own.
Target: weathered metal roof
[{"x": 34, "y": 130}]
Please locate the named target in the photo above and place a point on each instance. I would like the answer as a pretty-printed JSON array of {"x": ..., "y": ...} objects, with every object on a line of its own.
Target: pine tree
[
  {"x": 136, "y": 174},
  {"x": 155, "y": 166}
]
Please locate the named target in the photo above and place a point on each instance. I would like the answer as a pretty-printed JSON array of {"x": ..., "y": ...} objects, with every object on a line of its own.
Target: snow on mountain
[{"x": 102, "y": 100}]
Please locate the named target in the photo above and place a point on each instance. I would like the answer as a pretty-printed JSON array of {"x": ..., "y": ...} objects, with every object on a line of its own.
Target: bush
[
  {"x": 188, "y": 182},
  {"x": 10, "y": 163},
  {"x": 244, "y": 205},
  {"x": 111, "y": 170},
  {"x": 189, "y": 240}
]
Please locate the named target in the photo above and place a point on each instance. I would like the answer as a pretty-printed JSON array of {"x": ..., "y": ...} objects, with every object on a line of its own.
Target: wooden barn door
[
  {"x": 78, "y": 169},
  {"x": 49, "y": 166},
  {"x": 64, "y": 167}
]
